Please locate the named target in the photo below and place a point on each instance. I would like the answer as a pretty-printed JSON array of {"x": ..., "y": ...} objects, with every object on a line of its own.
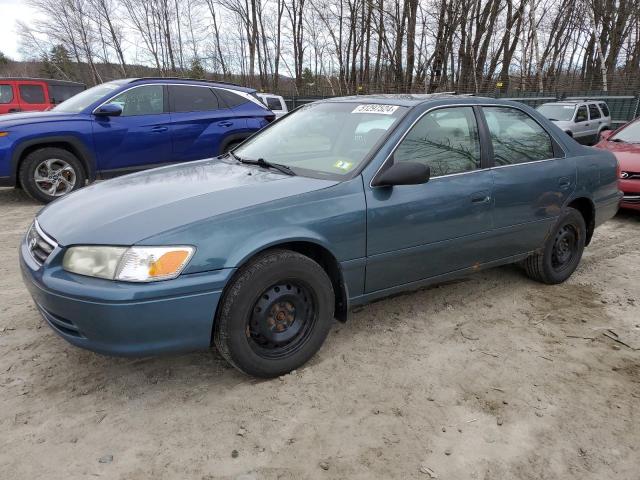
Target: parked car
[
  {"x": 275, "y": 103},
  {"x": 122, "y": 126},
  {"x": 624, "y": 143},
  {"x": 337, "y": 204},
  {"x": 34, "y": 94},
  {"x": 582, "y": 120}
]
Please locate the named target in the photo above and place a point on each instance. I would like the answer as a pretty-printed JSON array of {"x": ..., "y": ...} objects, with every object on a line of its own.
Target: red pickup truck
[{"x": 29, "y": 94}]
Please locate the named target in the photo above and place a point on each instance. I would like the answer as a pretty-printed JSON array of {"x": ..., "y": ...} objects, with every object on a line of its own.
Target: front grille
[
  {"x": 39, "y": 244},
  {"x": 630, "y": 175},
  {"x": 631, "y": 198}
]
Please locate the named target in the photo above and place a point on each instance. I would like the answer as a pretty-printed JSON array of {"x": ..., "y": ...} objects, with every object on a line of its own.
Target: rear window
[
  {"x": 192, "y": 99},
  {"x": 6, "y": 94},
  {"x": 605, "y": 109},
  {"x": 32, "y": 93},
  {"x": 60, "y": 93},
  {"x": 230, "y": 99}
]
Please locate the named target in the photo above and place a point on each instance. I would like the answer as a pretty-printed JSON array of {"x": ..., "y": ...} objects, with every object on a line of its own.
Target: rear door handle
[
  {"x": 480, "y": 197},
  {"x": 159, "y": 129},
  {"x": 564, "y": 182}
]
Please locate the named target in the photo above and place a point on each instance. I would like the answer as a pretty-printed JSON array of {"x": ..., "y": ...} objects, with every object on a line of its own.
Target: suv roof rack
[{"x": 140, "y": 79}]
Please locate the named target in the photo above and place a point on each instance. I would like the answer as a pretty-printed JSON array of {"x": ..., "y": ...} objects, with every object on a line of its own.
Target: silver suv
[{"x": 583, "y": 120}]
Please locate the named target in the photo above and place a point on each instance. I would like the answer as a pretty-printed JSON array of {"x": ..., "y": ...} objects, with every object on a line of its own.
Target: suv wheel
[
  {"x": 562, "y": 251},
  {"x": 50, "y": 173},
  {"x": 275, "y": 315}
]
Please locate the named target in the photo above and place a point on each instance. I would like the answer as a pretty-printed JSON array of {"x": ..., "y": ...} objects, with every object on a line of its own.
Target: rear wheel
[
  {"x": 562, "y": 251},
  {"x": 275, "y": 315},
  {"x": 50, "y": 173}
]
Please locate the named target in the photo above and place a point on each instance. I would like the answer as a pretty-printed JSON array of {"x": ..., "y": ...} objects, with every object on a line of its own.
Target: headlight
[{"x": 135, "y": 264}]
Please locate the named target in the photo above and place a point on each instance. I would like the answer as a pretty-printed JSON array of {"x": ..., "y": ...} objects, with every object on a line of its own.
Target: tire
[
  {"x": 275, "y": 315},
  {"x": 562, "y": 250},
  {"x": 50, "y": 173}
]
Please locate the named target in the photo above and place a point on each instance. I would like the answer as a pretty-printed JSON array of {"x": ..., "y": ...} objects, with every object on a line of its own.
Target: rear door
[
  {"x": 531, "y": 180},
  {"x": 33, "y": 96},
  {"x": 416, "y": 232},
  {"x": 140, "y": 137},
  {"x": 595, "y": 119},
  {"x": 8, "y": 98},
  {"x": 200, "y": 122}
]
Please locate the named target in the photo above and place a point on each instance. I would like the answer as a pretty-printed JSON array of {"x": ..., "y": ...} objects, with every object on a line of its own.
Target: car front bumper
[
  {"x": 631, "y": 189},
  {"x": 124, "y": 319}
]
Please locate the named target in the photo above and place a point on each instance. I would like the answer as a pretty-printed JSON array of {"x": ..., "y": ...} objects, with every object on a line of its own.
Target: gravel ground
[{"x": 491, "y": 377}]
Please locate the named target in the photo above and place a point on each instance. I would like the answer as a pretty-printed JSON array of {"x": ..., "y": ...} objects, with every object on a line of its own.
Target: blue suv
[{"x": 123, "y": 126}]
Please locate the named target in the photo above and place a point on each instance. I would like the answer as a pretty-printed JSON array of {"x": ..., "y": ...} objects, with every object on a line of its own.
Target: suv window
[
  {"x": 581, "y": 115},
  {"x": 192, "y": 99},
  {"x": 144, "y": 100},
  {"x": 594, "y": 113},
  {"x": 6, "y": 94},
  {"x": 273, "y": 103},
  {"x": 446, "y": 140},
  {"x": 605, "y": 109},
  {"x": 516, "y": 137},
  {"x": 32, "y": 93},
  {"x": 230, "y": 99}
]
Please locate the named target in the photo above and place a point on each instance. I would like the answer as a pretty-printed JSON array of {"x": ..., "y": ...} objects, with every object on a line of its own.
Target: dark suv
[{"x": 123, "y": 126}]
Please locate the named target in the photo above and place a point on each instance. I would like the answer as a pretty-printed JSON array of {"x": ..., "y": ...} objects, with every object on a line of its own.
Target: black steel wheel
[
  {"x": 275, "y": 314},
  {"x": 562, "y": 251}
]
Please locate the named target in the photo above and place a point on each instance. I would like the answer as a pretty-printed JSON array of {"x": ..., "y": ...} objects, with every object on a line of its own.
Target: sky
[{"x": 11, "y": 11}]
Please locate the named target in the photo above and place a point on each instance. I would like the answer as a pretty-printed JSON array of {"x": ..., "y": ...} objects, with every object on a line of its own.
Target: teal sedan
[{"x": 337, "y": 204}]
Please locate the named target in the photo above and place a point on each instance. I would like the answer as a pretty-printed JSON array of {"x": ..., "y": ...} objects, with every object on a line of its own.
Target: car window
[
  {"x": 581, "y": 115},
  {"x": 274, "y": 103},
  {"x": 85, "y": 99},
  {"x": 230, "y": 99},
  {"x": 557, "y": 111},
  {"x": 605, "y": 109},
  {"x": 446, "y": 140},
  {"x": 144, "y": 100},
  {"x": 32, "y": 93},
  {"x": 6, "y": 94},
  {"x": 516, "y": 137},
  {"x": 323, "y": 140},
  {"x": 192, "y": 99},
  {"x": 594, "y": 113}
]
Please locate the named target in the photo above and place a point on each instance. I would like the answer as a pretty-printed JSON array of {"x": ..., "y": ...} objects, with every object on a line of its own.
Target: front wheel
[
  {"x": 562, "y": 251},
  {"x": 49, "y": 173},
  {"x": 275, "y": 315}
]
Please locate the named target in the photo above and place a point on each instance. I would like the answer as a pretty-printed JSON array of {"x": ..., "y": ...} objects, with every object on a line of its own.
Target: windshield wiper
[
  {"x": 261, "y": 162},
  {"x": 617, "y": 140}
]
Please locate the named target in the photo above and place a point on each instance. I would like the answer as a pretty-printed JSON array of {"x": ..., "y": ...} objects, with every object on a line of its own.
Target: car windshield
[
  {"x": 556, "y": 111},
  {"x": 629, "y": 134},
  {"x": 326, "y": 140},
  {"x": 82, "y": 100}
]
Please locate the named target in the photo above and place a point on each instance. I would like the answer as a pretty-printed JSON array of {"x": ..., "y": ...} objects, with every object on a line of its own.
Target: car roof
[
  {"x": 50, "y": 81},
  {"x": 191, "y": 81},
  {"x": 412, "y": 100},
  {"x": 573, "y": 102}
]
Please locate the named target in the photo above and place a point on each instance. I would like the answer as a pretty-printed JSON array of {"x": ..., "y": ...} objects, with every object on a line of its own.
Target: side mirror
[
  {"x": 403, "y": 173},
  {"x": 605, "y": 134},
  {"x": 108, "y": 110}
]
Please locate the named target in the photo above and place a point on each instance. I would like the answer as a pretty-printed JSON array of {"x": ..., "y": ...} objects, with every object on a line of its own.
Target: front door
[
  {"x": 531, "y": 180},
  {"x": 422, "y": 231},
  {"x": 138, "y": 138},
  {"x": 582, "y": 128}
]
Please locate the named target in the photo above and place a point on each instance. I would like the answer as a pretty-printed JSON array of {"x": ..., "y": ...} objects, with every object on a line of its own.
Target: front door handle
[
  {"x": 225, "y": 124},
  {"x": 564, "y": 183},
  {"x": 159, "y": 129},
  {"x": 480, "y": 197}
]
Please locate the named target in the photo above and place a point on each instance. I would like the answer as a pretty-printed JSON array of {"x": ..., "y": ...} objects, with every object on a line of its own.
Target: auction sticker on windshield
[{"x": 375, "y": 108}]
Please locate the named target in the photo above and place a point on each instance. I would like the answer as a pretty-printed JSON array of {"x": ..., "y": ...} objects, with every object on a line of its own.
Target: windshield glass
[
  {"x": 79, "y": 102},
  {"x": 629, "y": 134},
  {"x": 329, "y": 140},
  {"x": 556, "y": 111}
]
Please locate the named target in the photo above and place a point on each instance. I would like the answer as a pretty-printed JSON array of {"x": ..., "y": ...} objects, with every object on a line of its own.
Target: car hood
[
  {"x": 129, "y": 209},
  {"x": 628, "y": 154},
  {"x": 24, "y": 118}
]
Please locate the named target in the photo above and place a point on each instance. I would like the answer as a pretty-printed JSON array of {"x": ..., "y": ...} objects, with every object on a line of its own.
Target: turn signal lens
[
  {"x": 147, "y": 264},
  {"x": 4, "y": 134},
  {"x": 168, "y": 263}
]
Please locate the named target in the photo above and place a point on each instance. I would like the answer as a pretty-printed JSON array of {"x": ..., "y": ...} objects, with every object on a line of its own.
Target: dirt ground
[{"x": 492, "y": 377}]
